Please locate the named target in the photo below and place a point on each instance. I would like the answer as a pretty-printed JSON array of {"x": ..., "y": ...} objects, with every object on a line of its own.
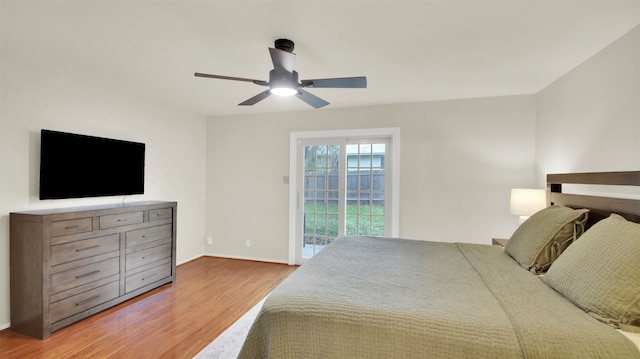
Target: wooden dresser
[{"x": 70, "y": 263}]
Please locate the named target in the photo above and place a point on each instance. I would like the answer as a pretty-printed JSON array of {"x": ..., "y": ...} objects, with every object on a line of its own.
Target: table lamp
[{"x": 526, "y": 201}]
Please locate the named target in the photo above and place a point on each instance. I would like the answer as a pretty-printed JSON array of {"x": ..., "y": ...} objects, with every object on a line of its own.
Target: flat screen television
[{"x": 74, "y": 166}]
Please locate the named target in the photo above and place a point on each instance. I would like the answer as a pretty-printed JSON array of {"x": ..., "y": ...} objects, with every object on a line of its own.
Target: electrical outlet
[
  {"x": 209, "y": 241},
  {"x": 247, "y": 243}
]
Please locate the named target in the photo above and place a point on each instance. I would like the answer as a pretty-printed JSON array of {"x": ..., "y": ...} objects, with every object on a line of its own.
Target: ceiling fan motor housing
[
  {"x": 284, "y": 44},
  {"x": 283, "y": 79}
]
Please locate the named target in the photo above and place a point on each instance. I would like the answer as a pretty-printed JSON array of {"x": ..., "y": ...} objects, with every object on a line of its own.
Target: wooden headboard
[{"x": 600, "y": 207}]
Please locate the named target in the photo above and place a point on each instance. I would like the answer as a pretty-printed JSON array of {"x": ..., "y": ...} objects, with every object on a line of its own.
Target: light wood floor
[{"x": 174, "y": 321}]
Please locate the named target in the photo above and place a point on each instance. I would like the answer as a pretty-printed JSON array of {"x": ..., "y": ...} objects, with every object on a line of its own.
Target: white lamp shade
[{"x": 525, "y": 201}]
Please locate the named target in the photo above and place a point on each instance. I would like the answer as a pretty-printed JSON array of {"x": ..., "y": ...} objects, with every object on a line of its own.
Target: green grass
[{"x": 371, "y": 219}]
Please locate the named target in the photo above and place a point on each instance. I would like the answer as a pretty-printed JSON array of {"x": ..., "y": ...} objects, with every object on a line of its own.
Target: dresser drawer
[
  {"x": 149, "y": 276},
  {"x": 83, "y": 301},
  {"x": 146, "y": 256},
  {"x": 71, "y": 226},
  {"x": 72, "y": 251},
  {"x": 159, "y": 214},
  {"x": 147, "y": 235},
  {"x": 83, "y": 275},
  {"x": 121, "y": 219}
]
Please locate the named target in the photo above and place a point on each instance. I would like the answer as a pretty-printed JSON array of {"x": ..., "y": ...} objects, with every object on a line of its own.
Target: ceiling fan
[{"x": 283, "y": 80}]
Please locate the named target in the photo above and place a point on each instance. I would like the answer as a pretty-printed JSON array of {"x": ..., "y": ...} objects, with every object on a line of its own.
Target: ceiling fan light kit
[
  {"x": 283, "y": 91},
  {"x": 283, "y": 80}
]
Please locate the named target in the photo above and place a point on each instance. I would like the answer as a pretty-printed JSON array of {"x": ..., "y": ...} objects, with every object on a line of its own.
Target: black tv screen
[{"x": 74, "y": 166}]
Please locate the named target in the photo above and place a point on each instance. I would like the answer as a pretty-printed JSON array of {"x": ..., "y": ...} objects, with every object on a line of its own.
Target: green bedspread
[{"x": 366, "y": 297}]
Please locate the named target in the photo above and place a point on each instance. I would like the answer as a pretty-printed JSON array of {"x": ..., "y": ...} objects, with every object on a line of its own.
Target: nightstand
[{"x": 499, "y": 241}]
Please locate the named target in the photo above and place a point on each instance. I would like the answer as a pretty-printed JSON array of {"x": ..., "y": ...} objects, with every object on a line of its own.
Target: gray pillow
[
  {"x": 541, "y": 238},
  {"x": 600, "y": 273}
]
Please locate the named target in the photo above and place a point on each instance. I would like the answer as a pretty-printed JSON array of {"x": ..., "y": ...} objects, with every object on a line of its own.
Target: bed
[{"x": 366, "y": 297}]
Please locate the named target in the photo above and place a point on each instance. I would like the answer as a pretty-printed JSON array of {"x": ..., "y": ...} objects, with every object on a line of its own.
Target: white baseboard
[
  {"x": 189, "y": 260},
  {"x": 5, "y": 326}
]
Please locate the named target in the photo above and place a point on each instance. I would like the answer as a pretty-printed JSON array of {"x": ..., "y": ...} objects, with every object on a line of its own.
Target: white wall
[
  {"x": 458, "y": 160},
  {"x": 36, "y": 96},
  {"x": 589, "y": 119}
]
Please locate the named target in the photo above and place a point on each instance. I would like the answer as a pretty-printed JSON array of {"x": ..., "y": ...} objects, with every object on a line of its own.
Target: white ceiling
[{"x": 410, "y": 51}]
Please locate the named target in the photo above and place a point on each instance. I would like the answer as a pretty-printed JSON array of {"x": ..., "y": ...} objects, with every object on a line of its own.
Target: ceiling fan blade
[
  {"x": 282, "y": 60},
  {"x": 343, "y": 82},
  {"x": 312, "y": 100},
  {"x": 255, "y": 99},
  {"x": 257, "y": 82}
]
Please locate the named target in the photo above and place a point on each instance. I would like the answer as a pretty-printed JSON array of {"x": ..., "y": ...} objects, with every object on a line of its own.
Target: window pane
[
  {"x": 352, "y": 180},
  {"x": 321, "y": 227},
  {"x": 377, "y": 224},
  {"x": 332, "y": 225},
  {"x": 352, "y": 225},
  {"x": 352, "y": 156},
  {"x": 321, "y": 156},
  {"x": 364, "y": 224},
  {"x": 333, "y": 180},
  {"x": 309, "y": 157},
  {"x": 321, "y": 179},
  {"x": 332, "y": 206},
  {"x": 352, "y": 202},
  {"x": 363, "y": 180},
  {"x": 309, "y": 179},
  {"x": 378, "y": 208},
  {"x": 309, "y": 205},
  {"x": 333, "y": 156},
  {"x": 378, "y": 180},
  {"x": 309, "y": 224},
  {"x": 378, "y": 151},
  {"x": 378, "y": 201}
]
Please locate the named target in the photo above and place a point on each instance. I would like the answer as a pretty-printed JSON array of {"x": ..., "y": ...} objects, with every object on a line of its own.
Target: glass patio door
[{"x": 343, "y": 192}]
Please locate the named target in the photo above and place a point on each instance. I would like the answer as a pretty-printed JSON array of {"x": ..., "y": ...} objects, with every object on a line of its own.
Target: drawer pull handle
[
  {"x": 87, "y": 300},
  {"x": 150, "y": 276},
  {"x": 87, "y": 274},
  {"x": 72, "y": 227},
  {"x": 87, "y": 248},
  {"x": 121, "y": 220}
]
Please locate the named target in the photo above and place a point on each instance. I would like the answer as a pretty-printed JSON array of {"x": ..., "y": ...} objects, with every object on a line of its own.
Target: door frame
[{"x": 295, "y": 197}]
